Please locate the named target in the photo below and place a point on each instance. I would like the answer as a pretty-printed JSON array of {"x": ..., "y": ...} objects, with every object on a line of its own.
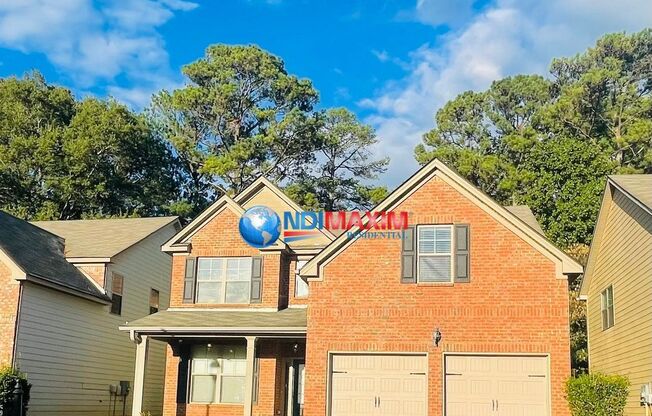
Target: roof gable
[
  {"x": 637, "y": 188},
  {"x": 564, "y": 264},
  {"x": 40, "y": 255},
  {"x": 180, "y": 242},
  {"x": 264, "y": 192},
  {"x": 103, "y": 238}
]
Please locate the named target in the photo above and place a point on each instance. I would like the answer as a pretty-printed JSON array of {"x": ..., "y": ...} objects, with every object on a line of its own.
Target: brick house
[{"x": 465, "y": 313}]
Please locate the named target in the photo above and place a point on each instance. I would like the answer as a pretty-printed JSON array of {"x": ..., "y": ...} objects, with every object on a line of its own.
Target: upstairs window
[
  {"x": 607, "y": 307},
  {"x": 153, "y": 301},
  {"x": 224, "y": 280},
  {"x": 117, "y": 287},
  {"x": 300, "y": 285},
  {"x": 217, "y": 373},
  {"x": 435, "y": 255}
]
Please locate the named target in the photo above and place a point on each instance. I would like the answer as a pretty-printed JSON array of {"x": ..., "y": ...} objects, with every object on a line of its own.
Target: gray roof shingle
[
  {"x": 40, "y": 254},
  {"x": 637, "y": 186}
]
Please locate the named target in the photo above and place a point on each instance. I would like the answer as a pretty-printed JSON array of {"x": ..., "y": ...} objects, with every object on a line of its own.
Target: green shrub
[
  {"x": 8, "y": 378},
  {"x": 597, "y": 394}
]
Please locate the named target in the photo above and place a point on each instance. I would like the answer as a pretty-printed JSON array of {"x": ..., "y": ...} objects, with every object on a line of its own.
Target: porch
[{"x": 225, "y": 362}]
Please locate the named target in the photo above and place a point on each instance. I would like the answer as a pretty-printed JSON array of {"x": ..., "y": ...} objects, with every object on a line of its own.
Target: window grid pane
[
  {"x": 228, "y": 362},
  {"x": 435, "y": 253},
  {"x": 224, "y": 280}
]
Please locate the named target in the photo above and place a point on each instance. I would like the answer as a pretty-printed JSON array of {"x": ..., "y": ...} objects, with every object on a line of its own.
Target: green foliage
[
  {"x": 8, "y": 378},
  {"x": 343, "y": 167},
  {"x": 597, "y": 395},
  {"x": 577, "y": 312},
  {"x": 550, "y": 144},
  {"x": 64, "y": 159},
  {"x": 241, "y": 116}
]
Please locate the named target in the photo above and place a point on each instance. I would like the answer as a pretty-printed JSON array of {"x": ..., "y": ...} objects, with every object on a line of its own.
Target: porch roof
[{"x": 179, "y": 322}]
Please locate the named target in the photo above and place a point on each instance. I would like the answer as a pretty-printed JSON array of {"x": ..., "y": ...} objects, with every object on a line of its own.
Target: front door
[{"x": 295, "y": 377}]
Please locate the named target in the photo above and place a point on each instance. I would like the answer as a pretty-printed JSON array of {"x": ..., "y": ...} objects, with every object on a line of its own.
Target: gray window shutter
[
  {"x": 462, "y": 249},
  {"x": 189, "y": 280},
  {"x": 409, "y": 256},
  {"x": 256, "y": 279}
]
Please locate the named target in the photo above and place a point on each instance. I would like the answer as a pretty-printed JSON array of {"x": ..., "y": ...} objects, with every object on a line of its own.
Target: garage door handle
[
  {"x": 417, "y": 374},
  {"x": 453, "y": 374},
  {"x": 537, "y": 375},
  {"x": 340, "y": 372}
]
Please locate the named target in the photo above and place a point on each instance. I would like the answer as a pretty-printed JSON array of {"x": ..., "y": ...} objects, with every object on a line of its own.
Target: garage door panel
[
  {"x": 517, "y": 385},
  {"x": 398, "y": 381}
]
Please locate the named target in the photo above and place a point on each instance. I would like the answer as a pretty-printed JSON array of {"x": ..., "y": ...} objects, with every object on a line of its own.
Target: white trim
[
  {"x": 245, "y": 308},
  {"x": 89, "y": 260},
  {"x": 209, "y": 330}
]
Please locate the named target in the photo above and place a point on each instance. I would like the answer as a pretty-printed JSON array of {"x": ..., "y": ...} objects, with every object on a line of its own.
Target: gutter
[{"x": 211, "y": 330}]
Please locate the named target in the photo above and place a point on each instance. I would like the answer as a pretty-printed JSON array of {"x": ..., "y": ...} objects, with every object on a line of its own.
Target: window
[
  {"x": 117, "y": 287},
  {"x": 218, "y": 373},
  {"x": 153, "y": 301},
  {"x": 434, "y": 244},
  {"x": 224, "y": 280},
  {"x": 607, "y": 307},
  {"x": 300, "y": 285}
]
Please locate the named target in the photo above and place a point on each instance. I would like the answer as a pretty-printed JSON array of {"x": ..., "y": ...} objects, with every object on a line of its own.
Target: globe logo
[{"x": 260, "y": 226}]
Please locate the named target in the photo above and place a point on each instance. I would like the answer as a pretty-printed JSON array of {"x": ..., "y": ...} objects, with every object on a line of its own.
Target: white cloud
[
  {"x": 510, "y": 37},
  {"x": 92, "y": 44}
]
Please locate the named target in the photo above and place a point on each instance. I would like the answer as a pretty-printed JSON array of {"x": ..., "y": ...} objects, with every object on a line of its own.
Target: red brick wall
[
  {"x": 220, "y": 237},
  {"x": 9, "y": 291},
  {"x": 292, "y": 285},
  {"x": 513, "y": 304},
  {"x": 97, "y": 272}
]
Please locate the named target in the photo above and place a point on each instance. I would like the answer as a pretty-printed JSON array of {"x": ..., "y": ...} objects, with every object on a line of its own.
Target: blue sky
[{"x": 392, "y": 62}]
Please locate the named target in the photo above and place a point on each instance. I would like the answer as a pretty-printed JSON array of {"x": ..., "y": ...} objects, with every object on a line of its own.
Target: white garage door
[
  {"x": 378, "y": 384},
  {"x": 496, "y": 386}
]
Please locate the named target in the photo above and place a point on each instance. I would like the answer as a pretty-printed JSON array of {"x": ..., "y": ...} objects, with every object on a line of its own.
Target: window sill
[
  {"x": 214, "y": 404},
  {"x": 442, "y": 284}
]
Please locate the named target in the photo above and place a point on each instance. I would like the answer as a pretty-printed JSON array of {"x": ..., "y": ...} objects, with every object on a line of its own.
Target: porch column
[
  {"x": 139, "y": 375},
  {"x": 249, "y": 376}
]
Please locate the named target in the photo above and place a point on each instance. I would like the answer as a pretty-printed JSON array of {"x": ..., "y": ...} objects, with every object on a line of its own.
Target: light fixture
[
  {"x": 295, "y": 348},
  {"x": 436, "y": 337}
]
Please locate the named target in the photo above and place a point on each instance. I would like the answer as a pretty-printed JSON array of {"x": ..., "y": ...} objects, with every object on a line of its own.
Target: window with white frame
[
  {"x": 607, "y": 307},
  {"x": 223, "y": 279},
  {"x": 217, "y": 373},
  {"x": 435, "y": 255},
  {"x": 300, "y": 285}
]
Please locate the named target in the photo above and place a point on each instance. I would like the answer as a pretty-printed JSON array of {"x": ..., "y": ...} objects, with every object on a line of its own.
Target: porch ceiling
[{"x": 291, "y": 321}]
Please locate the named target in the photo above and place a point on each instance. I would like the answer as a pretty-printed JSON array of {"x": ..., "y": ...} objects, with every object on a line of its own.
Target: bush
[
  {"x": 8, "y": 378},
  {"x": 597, "y": 394}
]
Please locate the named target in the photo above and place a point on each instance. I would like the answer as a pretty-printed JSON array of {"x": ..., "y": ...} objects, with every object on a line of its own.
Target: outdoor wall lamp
[
  {"x": 436, "y": 337},
  {"x": 295, "y": 348}
]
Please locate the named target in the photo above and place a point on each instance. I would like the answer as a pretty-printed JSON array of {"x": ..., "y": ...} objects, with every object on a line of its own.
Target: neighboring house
[
  {"x": 65, "y": 287},
  {"x": 466, "y": 314},
  {"x": 618, "y": 285}
]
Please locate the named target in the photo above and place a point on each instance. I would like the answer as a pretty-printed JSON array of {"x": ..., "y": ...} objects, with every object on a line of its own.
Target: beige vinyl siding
[
  {"x": 624, "y": 260},
  {"x": 71, "y": 348}
]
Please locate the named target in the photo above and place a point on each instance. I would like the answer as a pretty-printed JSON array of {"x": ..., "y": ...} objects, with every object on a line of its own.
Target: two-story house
[
  {"x": 464, "y": 313},
  {"x": 65, "y": 287},
  {"x": 618, "y": 285}
]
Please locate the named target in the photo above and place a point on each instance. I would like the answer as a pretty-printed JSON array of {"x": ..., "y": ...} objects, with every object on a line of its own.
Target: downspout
[{"x": 14, "y": 350}]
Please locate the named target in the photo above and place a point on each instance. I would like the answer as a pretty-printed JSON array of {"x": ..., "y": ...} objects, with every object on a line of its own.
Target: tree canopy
[
  {"x": 550, "y": 142},
  {"x": 61, "y": 158}
]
